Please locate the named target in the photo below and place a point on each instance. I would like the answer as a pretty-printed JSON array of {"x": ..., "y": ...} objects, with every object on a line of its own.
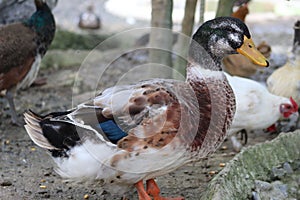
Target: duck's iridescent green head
[
  {"x": 42, "y": 21},
  {"x": 43, "y": 24},
  {"x": 222, "y": 36}
]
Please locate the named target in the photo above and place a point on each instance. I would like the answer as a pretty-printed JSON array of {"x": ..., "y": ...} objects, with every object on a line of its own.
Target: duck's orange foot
[
  {"x": 154, "y": 191},
  {"x": 141, "y": 191}
]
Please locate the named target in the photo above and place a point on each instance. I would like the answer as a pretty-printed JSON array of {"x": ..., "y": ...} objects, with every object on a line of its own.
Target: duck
[
  {"x": 128, "y": 134},
  {"x": 256, "y": 108},
  {"x": 22, "y": 46},
  {"x": 285, "y": 81},
  {"x": 89, "y": 20},
  {"x": 236, "y": 64},
  {"x": 241, "y": 12}
]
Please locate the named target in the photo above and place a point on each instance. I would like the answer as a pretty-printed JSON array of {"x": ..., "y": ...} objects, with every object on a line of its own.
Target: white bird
[{"x": 256, "y": 107}]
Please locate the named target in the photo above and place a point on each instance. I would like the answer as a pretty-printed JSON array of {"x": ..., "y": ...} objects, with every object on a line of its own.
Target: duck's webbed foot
[{"x": 154, "y": 191}]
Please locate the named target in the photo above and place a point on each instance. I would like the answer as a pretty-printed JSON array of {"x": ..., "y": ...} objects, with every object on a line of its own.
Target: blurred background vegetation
[{"x": 116, "y": 16}]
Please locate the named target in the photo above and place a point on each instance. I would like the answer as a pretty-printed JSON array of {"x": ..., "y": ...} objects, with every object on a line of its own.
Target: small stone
[
  {"x": 247, "y": 176},
  {"x": 293, "y": 191},
  {"x": 224, "y": 147},
  {"x": 6, "y": 183},
  {"x": 262, "y": 185},
  {"x": 59, "y": 191},
  {"x": 282, "y": 188},
  {"x": 47, "y": 174},
  {"x": 32, "y": 148},
  {"x": 86, "y": 196},
  {"x": 43, "y": 192},
  {"x": 287, "y": 167},
  {"x": 255, "y": 196},
  {"x": 93, "y": 192},
  {"x": 46, "y": 196},
  {"x": 278, "y": 172}
]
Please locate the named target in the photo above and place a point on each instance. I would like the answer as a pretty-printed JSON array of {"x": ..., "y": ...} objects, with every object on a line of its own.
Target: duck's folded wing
[
  {"x": 139, "y": 129},
  {"x": 148, "y": 121},
  {"x": 142, "y": 109},
  {"x": 17, "y": 44},
  {"x": 17, "y": 54}
]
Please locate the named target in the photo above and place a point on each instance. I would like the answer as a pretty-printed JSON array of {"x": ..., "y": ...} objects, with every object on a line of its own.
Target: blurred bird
[
  {"x": 285, "y": 81},
  {"x": 236, "y": 64},
  {"x": 239, "y": 3},
  {"x": 89, "y": 20},
  {"x": 241, "y": 12},
  {"x": 22, "y": 45},
  {"x": 256, "y": 108}
]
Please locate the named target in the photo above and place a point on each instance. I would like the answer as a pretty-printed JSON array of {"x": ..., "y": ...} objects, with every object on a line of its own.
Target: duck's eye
[{"x": 249, "y": 45}]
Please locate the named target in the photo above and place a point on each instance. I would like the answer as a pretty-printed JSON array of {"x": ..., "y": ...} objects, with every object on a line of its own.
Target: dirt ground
[{"x": 26, "y": 171}]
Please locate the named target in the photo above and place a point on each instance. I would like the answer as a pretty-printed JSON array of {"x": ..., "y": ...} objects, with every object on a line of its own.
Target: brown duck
[{"x": 22, "y": 45}]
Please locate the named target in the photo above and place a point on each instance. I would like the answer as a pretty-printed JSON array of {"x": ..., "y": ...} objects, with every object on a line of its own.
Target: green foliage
[{"x": 69, "y": 40}]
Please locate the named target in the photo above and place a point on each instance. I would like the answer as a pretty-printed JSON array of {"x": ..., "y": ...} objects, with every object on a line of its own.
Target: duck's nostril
[{"x": 267, "y": 63}]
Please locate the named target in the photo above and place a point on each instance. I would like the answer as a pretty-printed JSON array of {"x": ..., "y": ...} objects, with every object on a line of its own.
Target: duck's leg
[
  {"x": 244, "y": 134},
  {"x": 141, "y": 191},
  {"x": 14, "y": 117},
  {"x": 237, "y": 146},
  {"x": 154, "y": 191}
]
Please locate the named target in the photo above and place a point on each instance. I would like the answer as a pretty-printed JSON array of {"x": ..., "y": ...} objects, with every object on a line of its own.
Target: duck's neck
[
  {"x": 201, "y": 55},
  {"x": 42, "y": 22},
  {"x": 207, "y": 66}
]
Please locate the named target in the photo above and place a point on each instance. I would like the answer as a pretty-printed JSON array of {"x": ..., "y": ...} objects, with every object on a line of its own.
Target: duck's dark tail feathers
[{"x": 34, "y": 130}]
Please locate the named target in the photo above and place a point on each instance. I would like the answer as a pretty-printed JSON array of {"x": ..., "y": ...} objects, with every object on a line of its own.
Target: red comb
[{"x": 295, "y": 105}]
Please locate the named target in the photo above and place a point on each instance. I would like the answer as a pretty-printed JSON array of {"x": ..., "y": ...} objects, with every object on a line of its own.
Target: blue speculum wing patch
[{"x": 112, "y": 131}]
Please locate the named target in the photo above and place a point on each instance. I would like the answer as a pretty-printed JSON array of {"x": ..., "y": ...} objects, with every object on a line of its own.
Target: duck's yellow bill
[{"x": 249, "y": 50}]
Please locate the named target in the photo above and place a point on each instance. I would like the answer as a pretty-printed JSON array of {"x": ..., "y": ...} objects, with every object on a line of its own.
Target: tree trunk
[
  {"x": 296, "y": 43},
  {"x": 225, "y": 8},
  {"x": 183, "y": 41},
  {"x": 161, "y": 39},
  {"x": 202, "y": 11}
]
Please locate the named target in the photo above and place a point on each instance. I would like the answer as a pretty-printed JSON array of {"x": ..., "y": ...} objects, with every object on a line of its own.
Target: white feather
[
  {"x": 256, "y": 107},
  {"x": 31, "y": 75}
]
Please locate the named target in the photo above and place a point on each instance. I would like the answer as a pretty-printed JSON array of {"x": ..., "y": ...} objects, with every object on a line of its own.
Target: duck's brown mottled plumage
[
  {"x": 161, "y": 129},
  {"x": 214, "y": 118},
  {"x": 155, "y": 126}
]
